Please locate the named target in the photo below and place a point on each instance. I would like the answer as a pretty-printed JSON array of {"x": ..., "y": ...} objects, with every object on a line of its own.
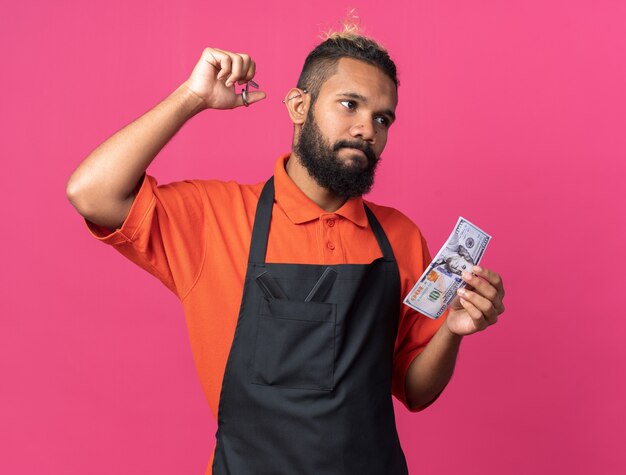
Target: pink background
[{"x": 512, "y": 114}]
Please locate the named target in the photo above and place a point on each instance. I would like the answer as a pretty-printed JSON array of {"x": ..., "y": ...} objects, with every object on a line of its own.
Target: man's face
[
  {"x": 457, "y": 264},
  {"x": 345, "y": 132}
]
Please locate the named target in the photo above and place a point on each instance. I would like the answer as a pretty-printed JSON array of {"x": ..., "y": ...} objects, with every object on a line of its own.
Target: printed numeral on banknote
[{"x": 439, "y": 283}]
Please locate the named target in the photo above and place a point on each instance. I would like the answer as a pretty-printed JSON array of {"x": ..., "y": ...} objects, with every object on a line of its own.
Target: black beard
[{"x": 347, "y": 180}]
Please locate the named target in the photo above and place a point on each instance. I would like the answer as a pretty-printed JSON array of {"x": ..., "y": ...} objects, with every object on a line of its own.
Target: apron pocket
[{"x": 295, "y": 344}]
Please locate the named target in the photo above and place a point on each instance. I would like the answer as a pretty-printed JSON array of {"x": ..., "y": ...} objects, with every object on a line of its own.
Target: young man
[{"x": 298, "y": 384}]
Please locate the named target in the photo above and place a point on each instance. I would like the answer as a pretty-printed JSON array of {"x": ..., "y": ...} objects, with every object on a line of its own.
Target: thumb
[{"x": 252, "y": 96}]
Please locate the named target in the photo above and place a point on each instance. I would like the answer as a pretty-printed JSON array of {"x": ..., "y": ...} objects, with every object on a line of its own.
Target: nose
[{"x": 365, "y": 130}]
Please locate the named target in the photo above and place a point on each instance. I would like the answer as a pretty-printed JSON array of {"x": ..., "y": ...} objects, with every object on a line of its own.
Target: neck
[{"x": 324, "y": 198}]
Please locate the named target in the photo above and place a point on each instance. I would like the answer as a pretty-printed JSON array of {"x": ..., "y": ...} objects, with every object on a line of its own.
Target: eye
[
  {"x": 382, "y": 120},
  {"x": 349, "y": 104}
]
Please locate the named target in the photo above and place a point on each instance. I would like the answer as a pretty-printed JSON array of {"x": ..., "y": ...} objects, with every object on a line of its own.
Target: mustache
[{"x": 362, "y": 146}]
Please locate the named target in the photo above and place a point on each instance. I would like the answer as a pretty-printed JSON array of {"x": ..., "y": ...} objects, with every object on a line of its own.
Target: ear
[{"x": 297, "y": 102}]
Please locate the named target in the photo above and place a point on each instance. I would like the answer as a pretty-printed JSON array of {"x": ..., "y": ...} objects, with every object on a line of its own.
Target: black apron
[{"x": 307, "y": 385}]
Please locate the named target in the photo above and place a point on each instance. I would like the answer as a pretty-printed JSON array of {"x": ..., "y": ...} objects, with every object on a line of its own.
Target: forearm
[
  {"x": 429, "y": 373},
  {"x": 102, "y": 185}
]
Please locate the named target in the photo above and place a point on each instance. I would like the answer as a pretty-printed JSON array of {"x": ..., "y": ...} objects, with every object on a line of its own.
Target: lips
[
  {"x": 365, "y": 152},
  {"x": 356, "y": 150}
]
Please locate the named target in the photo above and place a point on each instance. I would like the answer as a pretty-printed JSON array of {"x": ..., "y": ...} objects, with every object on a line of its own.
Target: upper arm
[
  {"x": 163, "y": 231},
  {"x": 107, "y": 213},
  {"x": 113, "y": 216}
]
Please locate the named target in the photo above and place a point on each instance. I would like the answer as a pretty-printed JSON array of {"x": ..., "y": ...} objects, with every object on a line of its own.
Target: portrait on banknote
[{"x": 455, "y": 258}]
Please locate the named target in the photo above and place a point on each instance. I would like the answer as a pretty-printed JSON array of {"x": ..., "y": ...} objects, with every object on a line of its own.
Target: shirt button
[
  {"x": 330, "y": 246},
  {"x": 331, "y": 222}
]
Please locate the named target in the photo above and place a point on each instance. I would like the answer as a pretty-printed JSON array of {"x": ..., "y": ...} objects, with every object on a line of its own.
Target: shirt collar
[{"x": 299, "y": 208}]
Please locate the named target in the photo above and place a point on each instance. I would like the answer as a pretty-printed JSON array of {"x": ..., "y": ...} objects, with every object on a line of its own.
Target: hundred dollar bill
[{"x": 437, "y": 286}]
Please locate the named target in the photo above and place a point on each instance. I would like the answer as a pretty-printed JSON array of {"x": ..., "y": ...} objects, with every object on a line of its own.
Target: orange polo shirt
[{"x": 195, "y": 235}]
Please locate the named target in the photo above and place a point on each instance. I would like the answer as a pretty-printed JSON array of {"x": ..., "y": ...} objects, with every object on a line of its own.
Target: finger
[
  {"x": 236, "y": 67},
  {"x": 476, "y": 315},
  {"x": 481, "y": 286},
  {"x": 253, "y": 96},
  {"x": 490, "y": 276},
  {"x": 484, "y": 306},
  {"x": 484, "y": 289},
  {"x": 251, "y": 71},
  {"x": 245, "y": 65},
  {"x": 218, "y": 59},
  {"x": 224, "y": 62}
]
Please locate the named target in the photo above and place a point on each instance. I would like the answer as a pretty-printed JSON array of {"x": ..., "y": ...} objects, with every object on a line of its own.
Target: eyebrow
[{"x": 359, "y": 97}]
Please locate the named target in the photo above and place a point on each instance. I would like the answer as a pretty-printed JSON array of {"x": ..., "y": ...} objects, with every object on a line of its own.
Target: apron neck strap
[
  {"x": 381, "y": 237},
  {"x": 263, "y": 217}
]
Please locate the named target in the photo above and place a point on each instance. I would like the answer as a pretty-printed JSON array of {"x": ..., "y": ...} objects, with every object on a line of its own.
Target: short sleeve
[
  {"x": 415, "y": 330},
  {"x": 164, "y": 232}
]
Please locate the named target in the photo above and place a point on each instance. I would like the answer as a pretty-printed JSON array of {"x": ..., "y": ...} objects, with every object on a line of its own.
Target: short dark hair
[{"x": 321, "y": 63}]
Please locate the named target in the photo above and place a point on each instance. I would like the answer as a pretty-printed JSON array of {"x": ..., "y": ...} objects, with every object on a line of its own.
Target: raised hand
[{"x": 214, "y": 76}]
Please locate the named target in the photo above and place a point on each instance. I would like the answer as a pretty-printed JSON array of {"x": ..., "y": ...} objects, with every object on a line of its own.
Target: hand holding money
[
  {"x": 478, "y": 305},
  {"x": 475, "y": 299}
]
